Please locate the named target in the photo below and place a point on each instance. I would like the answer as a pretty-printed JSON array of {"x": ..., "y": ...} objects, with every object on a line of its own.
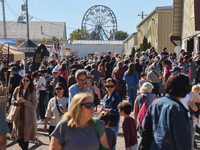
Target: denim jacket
[
  {"x": 170, "y": 124},
  {"x": 111, "y": 103}
]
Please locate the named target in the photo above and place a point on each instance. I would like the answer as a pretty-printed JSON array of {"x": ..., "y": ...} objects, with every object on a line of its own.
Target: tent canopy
[
  {"x": 14, "y": 55},
  {"x": 29, "y": 48}
]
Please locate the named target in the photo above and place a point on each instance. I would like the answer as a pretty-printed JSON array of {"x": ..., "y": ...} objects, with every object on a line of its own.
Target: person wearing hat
[
  {"x": 51, "y": 83},
  {"x": 175, "y": 69},
  {"x": 91, "y": 86},
  {"x": 14, "y": 82},
  {"x": 153, "y": 77},
  {"x": 184, "y": 65},
  {"x": 161, "y": 55}
]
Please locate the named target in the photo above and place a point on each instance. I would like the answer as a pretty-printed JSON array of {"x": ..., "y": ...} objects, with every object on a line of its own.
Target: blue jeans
[
  {"x": 132, "y": 93},
  {"x": 116, "y": 130},
  {"x": 46, "y": 100}
]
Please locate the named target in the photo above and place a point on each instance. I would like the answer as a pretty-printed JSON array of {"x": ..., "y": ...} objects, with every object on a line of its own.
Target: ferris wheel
[{"x": 99, "y": 23}]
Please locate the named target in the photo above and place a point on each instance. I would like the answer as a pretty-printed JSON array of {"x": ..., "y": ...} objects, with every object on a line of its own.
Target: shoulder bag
[
  {"x": 146, "y": 137},
  {"x": 60, "y": 113},
  {"x": 97, "y": 132},
  {"x": 13, "y": 113}
]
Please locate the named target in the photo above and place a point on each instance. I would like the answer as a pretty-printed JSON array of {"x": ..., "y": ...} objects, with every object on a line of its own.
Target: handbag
[
  {"x": 146, "y": 137},
  {"x": 97, "y": 132},
  {"x": 96, "y": 99},
  {"x": 13, "y": 113}
]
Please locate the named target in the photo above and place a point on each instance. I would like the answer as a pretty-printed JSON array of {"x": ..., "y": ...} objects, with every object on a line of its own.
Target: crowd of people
[{"x": 162, "y": 91}]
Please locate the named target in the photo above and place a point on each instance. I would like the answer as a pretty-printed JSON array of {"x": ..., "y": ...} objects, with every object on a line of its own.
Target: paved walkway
[{"x": 44, "y": 140}]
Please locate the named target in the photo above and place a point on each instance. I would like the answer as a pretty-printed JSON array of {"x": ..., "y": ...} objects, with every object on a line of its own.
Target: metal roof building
[{"x": 37, "y": 30}]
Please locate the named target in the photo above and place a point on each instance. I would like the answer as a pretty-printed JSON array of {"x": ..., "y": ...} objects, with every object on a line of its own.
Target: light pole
[
  {"x": 4, "y": 19},
  {"x": 27, "y": 19}
]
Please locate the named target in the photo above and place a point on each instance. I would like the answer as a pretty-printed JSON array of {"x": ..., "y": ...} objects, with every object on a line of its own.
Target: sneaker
[{"x": 41, "y": 122}]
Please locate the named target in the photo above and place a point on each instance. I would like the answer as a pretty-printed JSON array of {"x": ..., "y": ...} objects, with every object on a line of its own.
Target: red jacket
[{"x": 167, "y": 73}]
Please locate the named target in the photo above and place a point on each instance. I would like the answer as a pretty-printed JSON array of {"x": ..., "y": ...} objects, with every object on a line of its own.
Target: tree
[
  {"x": 76, "y": 35},
  {"x": 133, "y": 52},
  {"x": 121, "y": 35},
  {"x": 145, "y": 45}
]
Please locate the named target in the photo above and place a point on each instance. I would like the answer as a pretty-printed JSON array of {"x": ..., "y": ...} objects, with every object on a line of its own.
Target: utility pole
[
  {"x": 142, "y": 15},
  {"x": 27, "y": 19},
  {"x": 4, "y": 19}
]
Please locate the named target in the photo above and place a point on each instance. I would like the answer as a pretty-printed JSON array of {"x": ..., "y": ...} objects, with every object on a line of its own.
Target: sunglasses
[
  {"x": 55, "y": 73},
  {"x": 88, "y": 105},
  {"x": 89, "y": 77},
  {"x": 25, "y": 80},
  {"x": 110, "y": 86},
  {"x": 59, "y": 88}
]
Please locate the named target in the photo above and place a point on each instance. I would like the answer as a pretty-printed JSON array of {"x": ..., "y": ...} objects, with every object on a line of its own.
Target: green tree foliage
[
  {"x": 121, "y": 35},
  {"x": 133, "y": 52},
  {"x": 145, "y": 45},
  {"x": 76, "y": 35}
]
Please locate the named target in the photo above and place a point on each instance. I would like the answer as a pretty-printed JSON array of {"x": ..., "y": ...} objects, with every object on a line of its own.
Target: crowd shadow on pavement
[{"x": 197, "y": 140}]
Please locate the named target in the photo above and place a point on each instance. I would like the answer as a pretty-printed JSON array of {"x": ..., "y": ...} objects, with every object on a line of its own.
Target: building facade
[
  {"x": 186, "y": 25},
  {"x": 156, "y": 27},
  {"x": 130, "y": 42}
]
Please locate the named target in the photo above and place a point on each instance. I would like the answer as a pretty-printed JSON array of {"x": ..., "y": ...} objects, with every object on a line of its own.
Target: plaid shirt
[{"x": 185, "y": 65}]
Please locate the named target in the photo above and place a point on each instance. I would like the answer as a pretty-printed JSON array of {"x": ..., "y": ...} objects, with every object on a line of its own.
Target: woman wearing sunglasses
[
  {"x": 56, "y": 107},
  {"x": 25, "y": 127},
  {"x": 76, "y": 131},
  {"x": 110, "y": 102}
]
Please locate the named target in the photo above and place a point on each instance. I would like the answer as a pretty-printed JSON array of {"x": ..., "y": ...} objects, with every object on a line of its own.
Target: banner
[{"x": 39, "y": 55}]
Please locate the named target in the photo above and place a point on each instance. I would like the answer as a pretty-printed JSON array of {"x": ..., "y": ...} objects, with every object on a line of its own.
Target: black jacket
[{"x": 49, "y": 87}]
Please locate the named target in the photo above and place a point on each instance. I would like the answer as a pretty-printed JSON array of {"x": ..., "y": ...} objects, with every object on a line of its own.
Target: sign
[
  {"x": 39, "y": 54},
  {"x": 7, "y": 41},
  {"x": 191, "y": 9}
]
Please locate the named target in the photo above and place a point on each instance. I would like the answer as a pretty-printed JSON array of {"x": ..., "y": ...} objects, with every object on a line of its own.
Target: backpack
[{"x": 142, "y": 113}]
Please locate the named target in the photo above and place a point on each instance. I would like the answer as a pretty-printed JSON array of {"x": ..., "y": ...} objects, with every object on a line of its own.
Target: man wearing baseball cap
[
  {"x": 175, "y": 69},
  {"x": 51, "y": 83},
  {"x": 14, "y": 82}
]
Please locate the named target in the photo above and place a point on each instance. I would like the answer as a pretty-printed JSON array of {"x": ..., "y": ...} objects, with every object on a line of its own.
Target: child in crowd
[
  {"x": 128, "y": 126},
  {"x": 110, "y": 134},
  {"x": 143, "y": 79}
]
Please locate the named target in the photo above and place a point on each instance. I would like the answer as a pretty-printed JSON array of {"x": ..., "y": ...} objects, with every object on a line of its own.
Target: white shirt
[
  {"x": 184, "y": 101},
  {"x": 42, "y": 83}
]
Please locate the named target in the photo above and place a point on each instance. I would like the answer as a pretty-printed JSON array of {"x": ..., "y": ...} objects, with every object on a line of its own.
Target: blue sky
[{"x": 72, "y": 11}]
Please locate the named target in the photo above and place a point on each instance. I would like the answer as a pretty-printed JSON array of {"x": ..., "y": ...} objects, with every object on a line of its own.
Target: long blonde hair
[
  {"x": 119, "y": 66},
  {"x": 75, "y": 109}
]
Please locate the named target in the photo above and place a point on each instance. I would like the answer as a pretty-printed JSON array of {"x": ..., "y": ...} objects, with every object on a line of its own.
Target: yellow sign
[
  {"x": 38, "y": 58},
  {"x": 191, "y": 9}
]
